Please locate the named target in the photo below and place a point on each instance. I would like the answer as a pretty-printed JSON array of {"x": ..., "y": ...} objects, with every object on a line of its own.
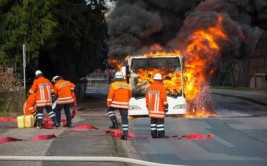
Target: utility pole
[{"x": 24, "y": 65}]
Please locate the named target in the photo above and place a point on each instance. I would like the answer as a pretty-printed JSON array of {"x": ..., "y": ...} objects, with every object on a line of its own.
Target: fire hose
[{"x": 82, "y": 159}]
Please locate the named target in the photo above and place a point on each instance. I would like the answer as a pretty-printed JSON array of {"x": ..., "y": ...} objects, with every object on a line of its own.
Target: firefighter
[
  {"x": 43, "y": 89},
  {"x": 109, "y": 76},
  {"x": 29, "y": 105},
  {"x": 157, "y": 105},
  {"x": 63, "y": 92},
  {"x": 118, "y": 99}
]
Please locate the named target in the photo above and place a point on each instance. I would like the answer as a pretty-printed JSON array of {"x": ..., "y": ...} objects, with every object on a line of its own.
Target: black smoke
[{"x": 137, "y": 24}]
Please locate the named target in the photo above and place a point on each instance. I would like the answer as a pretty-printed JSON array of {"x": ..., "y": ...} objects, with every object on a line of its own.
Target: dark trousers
[
  {"x": 157, "y": 128},
  {"x": 124, "y": 118},
  {"x": 66, "y": 108},
  {"x": 40, "y": 114}
]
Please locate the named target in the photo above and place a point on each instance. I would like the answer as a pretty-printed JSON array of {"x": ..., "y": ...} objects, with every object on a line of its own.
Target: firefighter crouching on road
[
  {"x": 63, "y": 92},
  {"x": 156, "y": 103},
  {"x": 29, "y": 105},
  {"x": 43, "y": 89},
  {"x": 118, "y": 99}
]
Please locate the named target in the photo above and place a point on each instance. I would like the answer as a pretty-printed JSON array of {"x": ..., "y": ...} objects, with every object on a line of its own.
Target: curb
[{"x": 241, "y": 97}]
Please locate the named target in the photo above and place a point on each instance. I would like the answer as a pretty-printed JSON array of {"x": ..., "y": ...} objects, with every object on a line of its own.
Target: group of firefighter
[
  {"x": 156, "y": 103},
  {"x": 41, "y": 95},
  {"x": 43, "y": 91}
]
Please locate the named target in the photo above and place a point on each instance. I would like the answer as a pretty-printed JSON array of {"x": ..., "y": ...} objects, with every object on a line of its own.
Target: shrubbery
[{"x": 12, "y": 94}]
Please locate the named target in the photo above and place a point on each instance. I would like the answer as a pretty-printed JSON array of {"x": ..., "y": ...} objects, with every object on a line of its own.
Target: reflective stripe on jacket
[
  {"x": 43, "y": 89},
  {"x": 63, "y": 90},
  {"x": 156, "y": 98},
  {"x": 119, "y": 94},
  {"x": 29, "y": 105}
]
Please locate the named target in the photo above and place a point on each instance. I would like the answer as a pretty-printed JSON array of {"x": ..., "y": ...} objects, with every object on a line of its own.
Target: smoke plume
[
  {"x": 138, "y": 24},
  {"x": 205, "y": 32}
]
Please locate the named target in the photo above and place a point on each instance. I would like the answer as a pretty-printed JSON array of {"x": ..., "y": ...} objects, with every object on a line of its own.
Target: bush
[
  {"x": 12, "y": 95},
  {"x": 11, "y": 103}
]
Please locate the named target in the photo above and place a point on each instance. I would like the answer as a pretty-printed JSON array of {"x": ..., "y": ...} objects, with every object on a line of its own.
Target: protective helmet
[
  {"x": 54, "y": 79},
  {"x": 38, "y": 73},
  {"x": 119, "y": 75},
  {"x": 157, "y": 76}
]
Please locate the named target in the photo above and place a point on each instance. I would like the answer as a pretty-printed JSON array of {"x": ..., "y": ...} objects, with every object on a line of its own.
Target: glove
[{"x": 166, "y": 108}]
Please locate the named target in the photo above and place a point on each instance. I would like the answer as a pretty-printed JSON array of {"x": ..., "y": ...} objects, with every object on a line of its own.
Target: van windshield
[{"x": 143, "y": 70}]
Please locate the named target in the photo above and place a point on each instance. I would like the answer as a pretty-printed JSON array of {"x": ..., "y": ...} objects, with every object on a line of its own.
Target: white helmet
[
  {"x": 54, "y": 78},
  {"x": 119, "y": 75},
  {"x": 157, "y": 76},
  {"x": 38, "y": 73}
]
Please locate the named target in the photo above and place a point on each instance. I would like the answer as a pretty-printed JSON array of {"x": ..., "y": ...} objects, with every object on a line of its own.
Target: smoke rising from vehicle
[
  {"x": 138, "y": 24},
  {"x": 206, "y": 32}
]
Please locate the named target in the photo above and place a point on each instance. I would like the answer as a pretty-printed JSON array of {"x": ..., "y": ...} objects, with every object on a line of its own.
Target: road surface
[{"x": 239, "y": 137}]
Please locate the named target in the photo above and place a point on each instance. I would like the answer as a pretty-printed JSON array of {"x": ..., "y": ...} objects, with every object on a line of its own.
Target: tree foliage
[
  {"x": 76, "y": 47},
  {"x": 26, "y": 22},
  {"x": 61, "y": 37}
]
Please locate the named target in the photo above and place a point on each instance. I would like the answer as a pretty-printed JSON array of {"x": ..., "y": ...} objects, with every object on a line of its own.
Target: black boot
[
  {"x": 124, "y": 137},
  {"x": 154, "y": 134},
  {"x": 114, "y": 125},
  {"x": 39, "y": 125},
  {"x": 161, "y": 134}
]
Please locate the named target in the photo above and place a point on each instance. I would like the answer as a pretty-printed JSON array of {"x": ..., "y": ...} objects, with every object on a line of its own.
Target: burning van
[{"x": 139, "y": 72}]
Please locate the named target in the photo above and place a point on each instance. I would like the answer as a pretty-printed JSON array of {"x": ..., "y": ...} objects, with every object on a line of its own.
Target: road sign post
[{"x": 24, "y": 65}]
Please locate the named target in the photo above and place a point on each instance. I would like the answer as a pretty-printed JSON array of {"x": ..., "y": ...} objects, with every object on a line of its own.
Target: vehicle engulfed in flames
[{"x": 139, "y": 72}]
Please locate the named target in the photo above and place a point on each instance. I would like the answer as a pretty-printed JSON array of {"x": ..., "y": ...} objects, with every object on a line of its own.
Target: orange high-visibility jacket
[
  {"x": 63, "y": 90},
  {"x": 43, "y": 89},
  {"x": 156, "y": 99},
  {"x": 119, "y": 94},
  {"x": 29, "y": 105}
]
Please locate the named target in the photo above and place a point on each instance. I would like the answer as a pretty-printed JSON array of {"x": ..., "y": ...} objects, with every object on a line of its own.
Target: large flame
[
  {"x": 115, "y": 63},
  {"x": 200, "y": 54}
]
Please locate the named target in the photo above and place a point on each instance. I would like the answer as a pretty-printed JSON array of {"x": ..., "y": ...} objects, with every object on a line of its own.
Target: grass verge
[{"x": 11, "y": 104}]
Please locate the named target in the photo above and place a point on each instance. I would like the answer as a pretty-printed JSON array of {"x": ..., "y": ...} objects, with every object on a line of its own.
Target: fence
[
  {"x": 96, "y": 85},
  {"x": 258, "y": 70}
]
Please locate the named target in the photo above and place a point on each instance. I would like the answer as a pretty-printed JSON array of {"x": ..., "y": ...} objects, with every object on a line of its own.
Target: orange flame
[
  {"x": 200, "y": 54},
  {"x": 163, "y": 53},
  {"x": 117, "y": 64},
  {"x": 155, "y": 47},
  {"x": 171, "y": 78}
]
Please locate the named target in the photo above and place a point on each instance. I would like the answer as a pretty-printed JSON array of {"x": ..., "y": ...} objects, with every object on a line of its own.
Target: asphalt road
[
  {"x": 239, "y": 137},
  {"x": 237, "y": 107}
]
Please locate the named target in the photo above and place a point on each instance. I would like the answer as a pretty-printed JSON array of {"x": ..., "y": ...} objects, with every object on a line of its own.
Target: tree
[
  {"x": 77, "y": 46},
  {"x": 26, "y": 22}
]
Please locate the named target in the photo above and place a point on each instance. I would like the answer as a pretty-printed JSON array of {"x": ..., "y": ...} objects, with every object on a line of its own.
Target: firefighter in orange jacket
[
  {"x": 118, "y": 99},
  {"x": 29, "y": 105},
  {"x": 43, "y": 89},
  {"x": 63, "y": 91},
  {"x": 157, "y": 105}
]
